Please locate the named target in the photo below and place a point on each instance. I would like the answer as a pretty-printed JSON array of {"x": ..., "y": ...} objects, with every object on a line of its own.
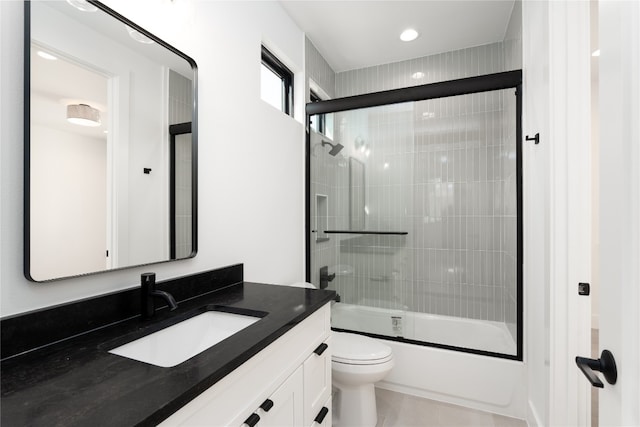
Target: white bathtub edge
[{"x": 484, "y": 383}]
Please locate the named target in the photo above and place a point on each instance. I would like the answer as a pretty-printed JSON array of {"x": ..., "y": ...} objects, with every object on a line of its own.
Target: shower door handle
[{"x": 606, "y": 364}]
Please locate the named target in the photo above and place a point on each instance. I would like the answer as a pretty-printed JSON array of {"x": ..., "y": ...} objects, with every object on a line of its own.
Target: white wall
[
  {"x": 251, "y": 156},
  {"x": 68, "y": 203},
  {"x": 536, "y": 208}
]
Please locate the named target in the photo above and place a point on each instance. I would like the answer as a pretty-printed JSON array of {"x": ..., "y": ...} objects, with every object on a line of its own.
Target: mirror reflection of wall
[
  {"x": 119, "y": 193},
  {"x": 68, "y": 167}
]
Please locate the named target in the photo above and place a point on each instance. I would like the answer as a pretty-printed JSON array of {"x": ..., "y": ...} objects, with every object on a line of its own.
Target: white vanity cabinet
[
  {"x": 286, "y": 384},
  {"x": 288, "y": 410},
  {"x": 317, "y": 383}
]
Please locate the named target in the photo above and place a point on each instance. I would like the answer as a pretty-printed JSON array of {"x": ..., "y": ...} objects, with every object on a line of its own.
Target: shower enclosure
[{"x": 414, "y": 213}]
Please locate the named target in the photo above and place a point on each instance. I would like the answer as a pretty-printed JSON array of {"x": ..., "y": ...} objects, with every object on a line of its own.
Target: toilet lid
[{"x": 358, "y": 349}]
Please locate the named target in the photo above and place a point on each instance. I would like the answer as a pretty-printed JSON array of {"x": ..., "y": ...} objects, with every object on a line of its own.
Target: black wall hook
[{"x": 535, "y": 138}]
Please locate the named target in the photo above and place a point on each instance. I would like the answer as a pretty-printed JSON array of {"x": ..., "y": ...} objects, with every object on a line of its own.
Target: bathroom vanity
[
  {"x": 286, "y": 384},
  {"x": 276, "y": 371}
]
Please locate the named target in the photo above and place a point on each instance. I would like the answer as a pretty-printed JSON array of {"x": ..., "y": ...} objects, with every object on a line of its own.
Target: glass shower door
[{"x": 422, "y": 228}]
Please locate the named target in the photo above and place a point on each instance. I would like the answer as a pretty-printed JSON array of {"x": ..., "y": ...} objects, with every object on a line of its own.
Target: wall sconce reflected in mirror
[{"x": 83, "y": 115}]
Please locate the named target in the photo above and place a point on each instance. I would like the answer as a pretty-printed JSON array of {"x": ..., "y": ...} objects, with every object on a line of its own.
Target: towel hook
[{"x": 535, "y": 138}]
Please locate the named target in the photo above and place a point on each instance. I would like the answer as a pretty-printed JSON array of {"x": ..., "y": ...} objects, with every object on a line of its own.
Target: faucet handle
[{"x": 148, "y": 279}]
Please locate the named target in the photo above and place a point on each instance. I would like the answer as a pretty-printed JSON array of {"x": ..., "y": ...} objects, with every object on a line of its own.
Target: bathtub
[
  {"x": 474, "y": 334},
  {"x": 477, "y": 381}
]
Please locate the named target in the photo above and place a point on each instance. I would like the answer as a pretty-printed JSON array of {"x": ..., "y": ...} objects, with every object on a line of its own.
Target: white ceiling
[{"x": 364, "y": 33}]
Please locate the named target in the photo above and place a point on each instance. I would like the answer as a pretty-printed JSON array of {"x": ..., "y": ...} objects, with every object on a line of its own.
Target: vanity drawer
[{"x": 317, "y": 380}]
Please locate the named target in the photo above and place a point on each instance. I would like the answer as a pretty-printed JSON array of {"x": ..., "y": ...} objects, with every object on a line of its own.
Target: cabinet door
[
  {"x": 317, "y": 381},
  {"x": 287, "y": 404}
]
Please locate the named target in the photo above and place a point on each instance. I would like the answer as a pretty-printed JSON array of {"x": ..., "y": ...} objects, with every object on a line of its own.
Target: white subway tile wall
[
  {"x": 474, "y": 61},
  {"x": 318, "y": 69},
  {"x": 438, "y": 170},
  {"x": 441, "y": 170}
]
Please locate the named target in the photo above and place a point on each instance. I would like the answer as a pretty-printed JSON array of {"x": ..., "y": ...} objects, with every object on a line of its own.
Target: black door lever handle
[{"x": 606, "y": 364}]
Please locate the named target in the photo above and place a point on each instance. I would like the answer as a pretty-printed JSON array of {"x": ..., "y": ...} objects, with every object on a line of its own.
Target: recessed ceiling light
[
  {"x": 408, "y": 35},
  {"x": 596, "y": 52},
  {"x": 82, "y": 5},
  {"x": 138, "y": 36},
  {"x": 417, "y": 75},
  {"x": 46, "y": 55}
]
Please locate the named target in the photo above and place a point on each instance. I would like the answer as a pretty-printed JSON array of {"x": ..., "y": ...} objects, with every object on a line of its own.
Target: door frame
[
  {"x": 558, "y": 70},
  {"x": 570, "y": 255},
  {"x": 619, "y": 110},
  {"x": 619, "y": 156}
]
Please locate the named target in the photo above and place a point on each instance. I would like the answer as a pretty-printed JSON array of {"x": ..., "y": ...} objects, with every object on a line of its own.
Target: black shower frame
[
  {"x": 174, "y": 130},
  {"x": 465, "y": 86}
]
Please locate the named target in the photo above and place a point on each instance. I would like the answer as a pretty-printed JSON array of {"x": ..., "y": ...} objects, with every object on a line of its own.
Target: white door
[{"x": 619, "y": 41}]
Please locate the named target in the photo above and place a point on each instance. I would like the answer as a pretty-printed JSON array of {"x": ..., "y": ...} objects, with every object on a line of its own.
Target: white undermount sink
[{"x": 177, "y": 343}]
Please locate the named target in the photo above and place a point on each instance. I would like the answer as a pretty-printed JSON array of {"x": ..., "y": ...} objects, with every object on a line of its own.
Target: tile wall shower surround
[
  {"x": 318, "y": 69},
  {"x": 452, "y": 263},
  {"x": 180, "y": 111},
  {"x": 474, "y": 61},
  {"x": 438, "y": 169},
  {"x": 323, "y": 167}
]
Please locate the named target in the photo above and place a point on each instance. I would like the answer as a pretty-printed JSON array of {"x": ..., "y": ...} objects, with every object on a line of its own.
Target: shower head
[{"x": 335, "y": 148}]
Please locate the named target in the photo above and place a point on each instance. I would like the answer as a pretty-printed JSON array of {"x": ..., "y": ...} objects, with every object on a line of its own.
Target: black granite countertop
[{"x": 76, "y": 382}]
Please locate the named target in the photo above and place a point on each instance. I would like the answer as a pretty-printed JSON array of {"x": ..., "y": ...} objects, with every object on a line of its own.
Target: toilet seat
[{"x": 353, "y": 349}]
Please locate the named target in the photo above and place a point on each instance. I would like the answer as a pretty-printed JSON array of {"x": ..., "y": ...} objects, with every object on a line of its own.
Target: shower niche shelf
[{"x": 380, "y": 233}]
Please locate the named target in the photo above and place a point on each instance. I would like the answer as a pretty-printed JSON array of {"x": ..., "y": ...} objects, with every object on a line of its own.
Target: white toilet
[{"x": 357, "y": 362}]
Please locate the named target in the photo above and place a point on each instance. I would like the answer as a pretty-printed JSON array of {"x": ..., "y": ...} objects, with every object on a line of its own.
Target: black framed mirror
[{"x": 110, "y": 143}]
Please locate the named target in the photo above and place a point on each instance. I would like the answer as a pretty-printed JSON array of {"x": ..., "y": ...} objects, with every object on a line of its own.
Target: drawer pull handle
[
  {"x": 323, "y": 413},
  {"x": 252, "y": 420},
  {"x": 321, "y": 348},
  {"x": 267, "y": 405}
]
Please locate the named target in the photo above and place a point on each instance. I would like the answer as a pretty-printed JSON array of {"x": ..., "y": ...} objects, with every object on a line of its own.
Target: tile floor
[{"x": 402, "y": 410}]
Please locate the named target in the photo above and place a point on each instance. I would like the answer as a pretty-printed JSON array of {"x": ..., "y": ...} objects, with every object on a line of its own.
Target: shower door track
[
  {"x": 485, "y": 83},
  {"x": 464, "y": 86}
]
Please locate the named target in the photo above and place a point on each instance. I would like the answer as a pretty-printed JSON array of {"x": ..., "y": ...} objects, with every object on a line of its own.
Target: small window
[
  {"x": 276, "y": 83},
  {"x": 317, "y": 120}
]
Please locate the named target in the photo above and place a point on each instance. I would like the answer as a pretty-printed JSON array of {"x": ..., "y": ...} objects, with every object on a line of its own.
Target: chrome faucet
[{"x": 148, "y": 292}]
